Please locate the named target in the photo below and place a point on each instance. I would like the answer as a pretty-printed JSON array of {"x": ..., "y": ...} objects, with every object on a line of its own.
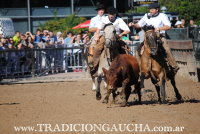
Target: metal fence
[{"x": 37, "y": 62}]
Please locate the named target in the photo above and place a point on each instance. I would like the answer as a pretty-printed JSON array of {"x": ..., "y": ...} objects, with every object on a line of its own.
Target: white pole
[
  {"x": 72, "y": 6},
  {"x": 29, "y": 15},
  {"x": 115, "y": 3}
]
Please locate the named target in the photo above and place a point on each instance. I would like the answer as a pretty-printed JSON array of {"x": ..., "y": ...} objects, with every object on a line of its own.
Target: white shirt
[
  {"x": 95, "y": 21},
  {"x": 119, "y": 24},
  {"x": 158, "y": 21}
]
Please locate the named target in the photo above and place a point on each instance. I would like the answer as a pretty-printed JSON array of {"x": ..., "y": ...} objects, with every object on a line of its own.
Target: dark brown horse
[{"x": 154, "y": 65}]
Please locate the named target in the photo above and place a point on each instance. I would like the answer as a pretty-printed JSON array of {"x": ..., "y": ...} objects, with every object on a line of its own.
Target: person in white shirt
[
  {"x": 92, "y": 28},
  {"x": 97, "y": 19},
  {"x": 119, "y": 24},
  {"x": 161, "y": 23},
  {"x": 113, "y": 18}
]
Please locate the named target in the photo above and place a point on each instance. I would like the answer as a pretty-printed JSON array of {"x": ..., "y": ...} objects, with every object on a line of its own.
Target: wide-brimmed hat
[
  {"x": 100, "y": 6},
  {"x": 178, "y": 23},
  {"x": 154, "y": 6},
  {"x": 112, "y": 10}
]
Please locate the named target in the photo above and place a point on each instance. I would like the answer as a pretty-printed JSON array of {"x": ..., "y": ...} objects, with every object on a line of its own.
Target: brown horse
[{"x": 154, "y": 65}]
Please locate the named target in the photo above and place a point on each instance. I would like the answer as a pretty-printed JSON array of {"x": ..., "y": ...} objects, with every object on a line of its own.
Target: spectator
[
  {"x": 23, "y": 41},
  {"x": 53, "y": 38},
  {"x": 179, "y": 24},
  {"x": 38, "y": 37},
  {"x": 1, "y": 46},
  {"x": 29, "y": 34},
  {"x": 68, "y": 40},
  {"x": 16, "y": 38},
  {"x": 10, "y": 42},
  {"x": 45, "y": 33},
  {"x": 183, "y": 23},
  {"x": 29, "y": 42},
  {"x": 192, "y": 24},
  {"x": 60, "y": 39},
  {"x": 4, "y": 42},
  {"x": 86, "y": 38}
]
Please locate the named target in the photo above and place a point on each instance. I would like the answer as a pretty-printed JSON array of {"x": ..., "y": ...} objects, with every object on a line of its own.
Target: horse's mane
[{"x": 148, "y": 27}]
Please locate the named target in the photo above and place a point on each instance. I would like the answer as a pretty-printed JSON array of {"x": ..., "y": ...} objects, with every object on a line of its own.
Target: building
[{"x": 27, "y": 15}]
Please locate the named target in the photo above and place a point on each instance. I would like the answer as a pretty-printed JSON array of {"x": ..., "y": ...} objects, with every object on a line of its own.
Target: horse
[
  {"x": 154, "y": 64},
  {"x": 109, "y": 50}
]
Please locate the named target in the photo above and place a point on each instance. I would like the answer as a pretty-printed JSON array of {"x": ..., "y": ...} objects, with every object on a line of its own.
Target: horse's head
[
  {"x": 110, "y": 34},
  {"x": 151, "y": 39}
]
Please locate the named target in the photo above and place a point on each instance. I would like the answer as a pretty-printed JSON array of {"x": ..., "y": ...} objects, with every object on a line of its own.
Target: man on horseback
[
  {"x": 115, "y": 20},
  {"x": 92, "y": 28},
  {"x": 161, "y": 23}
]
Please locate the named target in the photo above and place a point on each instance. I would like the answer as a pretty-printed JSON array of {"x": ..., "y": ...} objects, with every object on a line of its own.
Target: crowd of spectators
[
  {"x": 43, "y": 59},
  {"x": 182, "y": 24},
  {"x": 42, "y": 39}
]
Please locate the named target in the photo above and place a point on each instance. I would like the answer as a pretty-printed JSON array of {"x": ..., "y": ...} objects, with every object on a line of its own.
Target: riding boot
[
  {"x": 90, "y": 56},
  {"x": 170, "y": 59},
  {"x": 97, "y": 52}
]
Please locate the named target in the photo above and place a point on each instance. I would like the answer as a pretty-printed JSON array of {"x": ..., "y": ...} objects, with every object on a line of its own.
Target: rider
[
  {"x": 116, "y": 21},
  {"x": 161, "y": 23},
  {"x": 93, "y": 27}
]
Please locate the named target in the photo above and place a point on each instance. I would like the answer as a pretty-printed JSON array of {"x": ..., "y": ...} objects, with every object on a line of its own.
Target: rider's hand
[
  {"x": 96, "y": 38},
  {"x": 157, "y": 30},
  {"x": 131, "y": 24}
]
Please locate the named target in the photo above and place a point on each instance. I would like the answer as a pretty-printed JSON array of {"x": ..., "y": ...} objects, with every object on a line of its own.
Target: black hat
[
  {"x": 154, "y": 6},
  {"x": 112, "y": 10},
  {"x": 100, "y": 6}
]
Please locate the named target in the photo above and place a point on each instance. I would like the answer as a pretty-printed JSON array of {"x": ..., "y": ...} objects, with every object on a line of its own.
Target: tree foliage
[
  {"x": 187, "y": 9},
  {"x": 64, "y": 24},
  {"x": 141, "y": 9}
]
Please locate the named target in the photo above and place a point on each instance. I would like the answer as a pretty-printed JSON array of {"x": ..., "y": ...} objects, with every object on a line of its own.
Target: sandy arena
[{"x": 72, "y": 102}]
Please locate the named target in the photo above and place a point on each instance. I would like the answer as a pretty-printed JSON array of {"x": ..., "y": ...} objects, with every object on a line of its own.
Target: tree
[
  {"x": 64, "y": 25},
  {"x": 187, "y": 9}
]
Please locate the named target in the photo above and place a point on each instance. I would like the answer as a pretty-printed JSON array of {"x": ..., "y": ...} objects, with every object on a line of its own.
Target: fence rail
[{"x": 36, "y": 62}]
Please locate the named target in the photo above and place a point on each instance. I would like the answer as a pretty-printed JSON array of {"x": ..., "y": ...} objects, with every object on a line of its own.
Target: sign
[{"x": 143, "y": 2}]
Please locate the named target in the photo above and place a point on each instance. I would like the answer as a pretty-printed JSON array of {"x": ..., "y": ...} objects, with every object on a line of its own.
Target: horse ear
[{"x": 105, "y": 71}]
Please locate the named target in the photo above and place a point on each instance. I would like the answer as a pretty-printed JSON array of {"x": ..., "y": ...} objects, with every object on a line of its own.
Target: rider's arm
[
  {"x": 92, "y": 30},
  {"x": 97, "y": 33},
  {"x": 124, "y": 33},
  {"x": 131, "y": 24},
  {"x": 164, "y": 28}
]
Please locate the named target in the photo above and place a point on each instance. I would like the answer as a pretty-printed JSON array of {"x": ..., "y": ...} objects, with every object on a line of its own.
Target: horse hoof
[
  {"x": 179, "y": 97},
  {"x": 105, "y": 101},
  {"x": 93, "y": 89},
  {"x": 123, "y": 104},
  {"x": 98, "y": 97}
]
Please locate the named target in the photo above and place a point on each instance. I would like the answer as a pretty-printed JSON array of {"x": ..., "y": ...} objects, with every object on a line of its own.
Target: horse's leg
[
  {"x": 178, "y": 95},
  {"x": 158, "y": 93},
  {"x": 98, "y": 93},
  {"x": 138, "y": 90},
  {"x": 162, "y": 90},
  {"x": 144, "y": 70},
  {"x": 93, "y": 83}
]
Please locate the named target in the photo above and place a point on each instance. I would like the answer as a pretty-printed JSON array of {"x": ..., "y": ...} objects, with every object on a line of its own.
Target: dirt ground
[{"x": 72, "y": 102}]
